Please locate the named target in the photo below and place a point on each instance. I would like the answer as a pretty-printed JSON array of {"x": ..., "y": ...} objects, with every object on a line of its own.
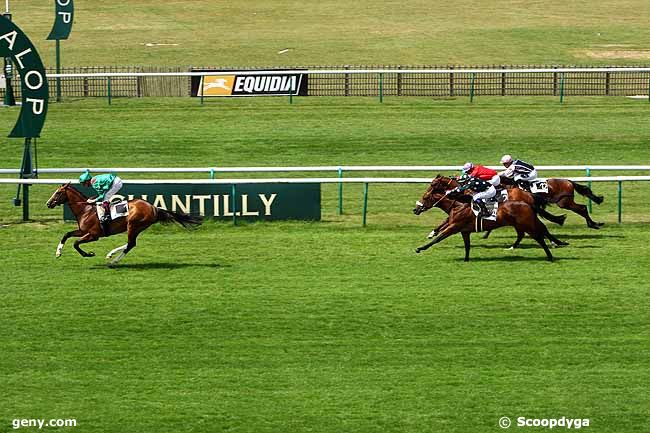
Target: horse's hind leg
[
  {"x": 116, "y": 250},
  {"x": 65, "y": 237},
  {"x": 487, "y": 234},
  {"x": 520, "y": 236},
  {"x": 133, "y": 233},
  {"x": 580, "y": 209}
]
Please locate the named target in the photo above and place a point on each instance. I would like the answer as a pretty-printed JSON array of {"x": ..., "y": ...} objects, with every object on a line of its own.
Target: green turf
[
  {"x": 330, "y": 32},
  {"x": 322, "y": 328},
  {"x": 328, "y": 327}
]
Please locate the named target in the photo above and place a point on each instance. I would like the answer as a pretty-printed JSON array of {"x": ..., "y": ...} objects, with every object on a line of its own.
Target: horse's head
[
  {"x": 434, "y": 193},
  {"x": 60, "y": 196}
]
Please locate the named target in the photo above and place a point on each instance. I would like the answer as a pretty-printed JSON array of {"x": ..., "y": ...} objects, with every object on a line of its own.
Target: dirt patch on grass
[{"x": 605, "y": 54}]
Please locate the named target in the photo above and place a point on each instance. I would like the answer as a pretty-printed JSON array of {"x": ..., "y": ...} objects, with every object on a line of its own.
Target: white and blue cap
[{"x": 468, "y": 166}]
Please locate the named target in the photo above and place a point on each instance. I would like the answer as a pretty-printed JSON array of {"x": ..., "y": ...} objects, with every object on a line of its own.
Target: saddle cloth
[
  {"x": 539, "y": 186},
  {"x": 119, "y": 209}
]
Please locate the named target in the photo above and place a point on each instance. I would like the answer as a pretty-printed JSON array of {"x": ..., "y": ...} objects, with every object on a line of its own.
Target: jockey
[
  {"x": 481, "y": 190},
  {"x": 482, "y": 172},
  {"x": 521, "y": 172},
  {"x": 106, "y": 186}
]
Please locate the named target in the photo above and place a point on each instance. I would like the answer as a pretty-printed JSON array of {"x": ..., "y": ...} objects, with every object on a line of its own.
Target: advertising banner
[
  {"x": 235, "y": 84},
  {"x": 252, "y": 202}
]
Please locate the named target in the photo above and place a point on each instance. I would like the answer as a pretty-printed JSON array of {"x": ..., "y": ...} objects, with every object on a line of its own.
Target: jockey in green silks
[{"x": 106, "y": 186}]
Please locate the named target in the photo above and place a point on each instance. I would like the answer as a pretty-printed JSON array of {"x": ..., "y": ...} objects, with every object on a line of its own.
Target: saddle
[
  {"x": 539, "y": 187},
  {"x": 118, "y": 209}
]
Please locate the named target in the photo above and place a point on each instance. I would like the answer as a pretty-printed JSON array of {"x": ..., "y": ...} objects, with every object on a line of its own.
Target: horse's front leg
[
  {"x": 448, "y": 231},
  {"x": 75, "y": 233},
  {"x": 88, "y": 237},
  {"x": 438, "y": 229}
]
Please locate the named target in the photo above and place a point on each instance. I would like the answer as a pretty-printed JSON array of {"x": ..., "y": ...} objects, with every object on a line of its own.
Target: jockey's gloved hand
[{"x": 91, "y": 201}]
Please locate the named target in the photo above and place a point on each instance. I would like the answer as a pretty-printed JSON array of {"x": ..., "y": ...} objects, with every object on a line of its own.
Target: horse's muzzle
[{"x": 419, "y": 208}]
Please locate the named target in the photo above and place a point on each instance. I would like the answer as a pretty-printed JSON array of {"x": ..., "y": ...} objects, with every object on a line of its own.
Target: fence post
[
  {"x": 109, "y": 90},
  {"x": 588, "y": 172},
  {"x": 471, "y": 88},
  {"x": 365, "y": 202},
  {"x": 234, "y": 204},
  {"x": 347, "y": 81},
  {"x": 562, "y": 88},
  {"x": 381, "y": 87},
  {"x": 201, "y": 86},
  {"x": 340, "y": 191},
  {"x": 620, "y": 201},
  {"x": 607, "y": 83},
  {"x": 503, "y": 81},
  {"x": 212, "y": 173},
  {"x": 399, "y": 82},
  {"x": 451, "y": 82},
  {"x": 58, "y": 70}
]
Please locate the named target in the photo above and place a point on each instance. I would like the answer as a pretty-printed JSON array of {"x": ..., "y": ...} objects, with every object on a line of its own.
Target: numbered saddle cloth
[
  {"x": 539, "y": 186},
  {"x": 119, "y": 209}
]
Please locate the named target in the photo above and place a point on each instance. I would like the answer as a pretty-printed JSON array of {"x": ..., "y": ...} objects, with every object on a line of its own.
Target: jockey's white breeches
[
  {"x": 496, "y": 180},
  {"x": 117, "y": 185},
  {"x": 488, "y": 193}
]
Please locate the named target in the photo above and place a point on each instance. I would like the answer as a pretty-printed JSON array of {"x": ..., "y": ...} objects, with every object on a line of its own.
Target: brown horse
[
  {"x": 518, "y": 214},
  {"x": 562, "y": 193},
  {"x": 141, "y": 215},
  {"x": 514, "y": 194}
]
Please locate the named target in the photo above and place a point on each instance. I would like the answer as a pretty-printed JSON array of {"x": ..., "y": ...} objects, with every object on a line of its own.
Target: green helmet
[{"x": 85, "y": 177}]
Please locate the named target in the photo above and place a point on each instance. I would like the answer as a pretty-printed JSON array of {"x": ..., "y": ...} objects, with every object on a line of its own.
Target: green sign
[
  {"x": 252, "y": 201},
  {"x": 64, "y": 10},
  {"x": 17, "y": 46}
]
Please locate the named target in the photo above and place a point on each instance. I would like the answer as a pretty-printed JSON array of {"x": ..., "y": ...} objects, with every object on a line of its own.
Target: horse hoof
[
  {"x": 510, "y": 249},
  {"x": 57, "y": 255},
  {"x": 417, "y": 251},
  {"x": 90, "y": 254}
]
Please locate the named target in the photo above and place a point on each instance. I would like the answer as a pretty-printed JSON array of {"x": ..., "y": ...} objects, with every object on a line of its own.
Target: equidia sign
[{"x": 235, "y": 84}]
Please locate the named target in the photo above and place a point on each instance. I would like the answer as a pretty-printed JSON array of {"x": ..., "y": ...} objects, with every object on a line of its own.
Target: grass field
[
  {"x": 252, "y": 33},
  {"x": 328, "y": 327},
  {"x": 331, "y": 327}
]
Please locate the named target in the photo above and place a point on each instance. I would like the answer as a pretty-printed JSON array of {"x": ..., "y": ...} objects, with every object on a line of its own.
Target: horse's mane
[{"x": 81, "y": 194}]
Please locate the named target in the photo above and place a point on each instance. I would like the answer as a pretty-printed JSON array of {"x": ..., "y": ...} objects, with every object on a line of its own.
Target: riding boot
[
  {"x": 483, "y": 212},
  {"x": 524, "y": 185},
  {"x": 106, "y": 224}
]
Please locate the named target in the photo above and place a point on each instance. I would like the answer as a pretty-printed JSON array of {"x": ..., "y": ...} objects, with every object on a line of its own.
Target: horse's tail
[
  {"x": 586, "y": 191},
  {"x": 186, "y": 220}
]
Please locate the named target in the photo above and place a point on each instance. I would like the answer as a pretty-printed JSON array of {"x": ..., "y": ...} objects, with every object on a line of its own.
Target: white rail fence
[
  {"x": 473, "y": 75},
  {"x": 320, "y": 180}
]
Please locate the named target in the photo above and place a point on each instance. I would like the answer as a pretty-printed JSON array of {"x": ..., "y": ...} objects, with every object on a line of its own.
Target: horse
[
  {"x": 141, "y": 215},
  {"x": 514, "y": 194},
  {"x": 518, "y": 214},
  {"x": 561, "y": 192}
]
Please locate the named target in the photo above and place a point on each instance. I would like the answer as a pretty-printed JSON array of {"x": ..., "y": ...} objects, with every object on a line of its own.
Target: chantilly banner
[
  {"x": 252, "y": 201},
  {"x": 63, "y": 18},
  {"x": 17, "y": 46}
]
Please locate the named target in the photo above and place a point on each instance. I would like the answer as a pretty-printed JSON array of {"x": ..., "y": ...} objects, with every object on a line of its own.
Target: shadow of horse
[
  {"x": 162, "y": 265},
  {"x": 511, "y": 259}
]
